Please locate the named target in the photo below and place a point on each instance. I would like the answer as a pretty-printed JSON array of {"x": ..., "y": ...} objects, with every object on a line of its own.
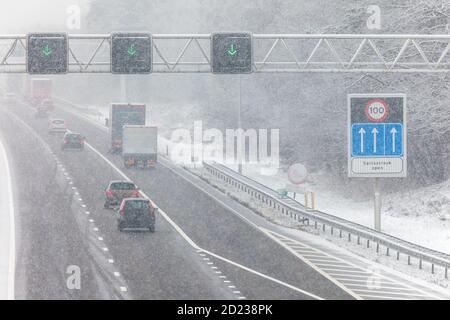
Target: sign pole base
[{"x": 377, "y": 204}]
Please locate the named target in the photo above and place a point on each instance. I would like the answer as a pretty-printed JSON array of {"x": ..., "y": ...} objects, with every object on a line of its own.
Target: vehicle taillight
[
  {"x": 109, "y": 193},
  {"x": 135, "y": 193},
  {"x": 81, "y": 141},
  {"x": 122, "y": 208},
  {"x": 66, "y": 142}
]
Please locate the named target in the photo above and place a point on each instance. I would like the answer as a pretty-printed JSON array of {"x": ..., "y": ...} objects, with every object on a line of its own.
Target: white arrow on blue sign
[{"x": 384, "y": 139}]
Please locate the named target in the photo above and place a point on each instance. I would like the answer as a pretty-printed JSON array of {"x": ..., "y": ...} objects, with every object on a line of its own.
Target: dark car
[
  {"x": 73, "y": 141},
  {"x": 136, "y": 213},
  {"x": 118, "y": 190}
]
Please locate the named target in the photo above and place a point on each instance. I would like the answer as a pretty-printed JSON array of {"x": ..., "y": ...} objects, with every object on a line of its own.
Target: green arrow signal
[
  {"x": 132, "y": 51},
  {"x": 46, "y": 51},
  {"x": 232, "y": 51}
]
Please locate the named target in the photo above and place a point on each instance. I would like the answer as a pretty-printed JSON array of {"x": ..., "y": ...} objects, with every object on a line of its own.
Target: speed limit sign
[
  {"x": 376, "y": 110},
  {"x": 377, "y": 135}
]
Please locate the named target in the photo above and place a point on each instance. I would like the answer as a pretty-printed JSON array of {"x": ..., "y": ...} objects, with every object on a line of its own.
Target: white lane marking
[
  {"x": 381, "y": 277},
  {"x": 333, "y": 265},
  {"x": 193, "y": 244},
  {"x": 347, "y": 271},
  {"x": 364, "y": 280},
  {"x": 381, "y": 286},
  {"x": 12, "y": 227},
  {"x": 320, "y": 271},
  {"x": 48, "y": 149},
  {"x": 385, "y": 297},
  {"x": 406, "y": 294}
]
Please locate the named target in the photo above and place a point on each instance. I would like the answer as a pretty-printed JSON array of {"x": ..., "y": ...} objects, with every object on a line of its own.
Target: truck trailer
[
  {"x": 140, "y": 146},
  {"x": 122, "y": 114}
]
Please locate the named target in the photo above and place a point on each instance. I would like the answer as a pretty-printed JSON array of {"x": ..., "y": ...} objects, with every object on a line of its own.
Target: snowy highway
[
  {"x": 7, "y": 228},
  {"x": 206, "y": 245},
  {"x": 161, "y": 265}
]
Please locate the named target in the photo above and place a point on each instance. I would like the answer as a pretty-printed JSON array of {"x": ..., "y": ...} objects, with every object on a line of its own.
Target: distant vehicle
[
  {"x": 118, "y": 190},
  {"x": 47, "y": 103},
  {"x": 136, "y": 213},
  {"x": 41, "y": 112},
  {"x": 73, "y": 140},
  {"x": 140, "y": 146},
  {"x": 123, "y": 114},
  {"x": 40, "y": 90},
  {"x": 57, "y": 126}
]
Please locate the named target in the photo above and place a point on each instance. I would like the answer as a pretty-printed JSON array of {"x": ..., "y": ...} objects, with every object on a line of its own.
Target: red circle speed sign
[{"x": 376, "y": 110}]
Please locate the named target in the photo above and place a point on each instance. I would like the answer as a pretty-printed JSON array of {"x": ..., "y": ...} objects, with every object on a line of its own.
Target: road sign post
[
  {"x": 231, "y": 53},
  {"x": 131, "y": 53},
  {"x": 47, "y": 53},
  {"x": 377, "y": 139}
]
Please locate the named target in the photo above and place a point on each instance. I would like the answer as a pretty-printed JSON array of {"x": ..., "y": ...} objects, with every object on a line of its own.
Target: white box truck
[{"x": 140, "y": 146}]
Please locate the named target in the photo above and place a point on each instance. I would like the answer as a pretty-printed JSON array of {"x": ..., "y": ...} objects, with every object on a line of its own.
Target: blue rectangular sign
[{"x": 377, "y": 140}]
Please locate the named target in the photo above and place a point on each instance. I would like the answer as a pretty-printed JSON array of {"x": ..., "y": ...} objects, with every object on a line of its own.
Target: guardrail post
[
  {"x": 357, "y": 241},
  {"x": 340, "y": 233},
  {"x": 432, "y": 268},
  {"x": 409, "y": 260},
  {"x": 311, "y": 194},
  {"x": 387, "y": 251},
  {"x": 446, "y": 273},
  {"x": 323, "y": 227},
  {"x": 306, "y": 200},
  {"x": 398, "y": 255},
  {"x": 378, "y": 247},
  {"x": 332, "y": 230},
  {"x": 315, "y": 224},
  {"x": 368, "y": 243},
  {"x": 420, "y": 264},
  {"x": 349, "y": 237}
]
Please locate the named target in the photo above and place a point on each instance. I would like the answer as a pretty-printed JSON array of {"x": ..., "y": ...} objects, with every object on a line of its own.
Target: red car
[{"x": 117, "y": 191}]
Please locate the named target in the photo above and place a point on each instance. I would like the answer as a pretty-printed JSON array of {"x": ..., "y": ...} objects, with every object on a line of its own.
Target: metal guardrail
[{"x": 297, "y": 211}]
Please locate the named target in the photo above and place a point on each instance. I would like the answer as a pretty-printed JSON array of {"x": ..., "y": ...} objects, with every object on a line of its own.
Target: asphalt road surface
[{"x": 61, "y": 222}]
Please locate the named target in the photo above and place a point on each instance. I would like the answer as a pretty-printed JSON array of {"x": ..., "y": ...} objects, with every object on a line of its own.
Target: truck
[
  {"x": 41, "y": 92},
  {"x": 121, "y": 114},
  {"x": 140, "y": 146}
]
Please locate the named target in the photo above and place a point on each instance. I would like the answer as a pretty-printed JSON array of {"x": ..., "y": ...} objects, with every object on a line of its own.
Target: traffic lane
[
  {"x": 47, "y": 242},
  {"x": 158, "y": 265},
  {"x": 155, "y": 266},
  {"x": 214, "y": 227},
  {"x": 7, "y": 237}
]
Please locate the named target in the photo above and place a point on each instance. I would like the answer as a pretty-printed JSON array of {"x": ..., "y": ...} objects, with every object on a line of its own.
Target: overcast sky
[{"x": 22, "y": 16}]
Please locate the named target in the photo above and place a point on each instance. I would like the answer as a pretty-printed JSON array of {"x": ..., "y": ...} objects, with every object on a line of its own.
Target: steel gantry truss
[{"x": 272, "y": 53}]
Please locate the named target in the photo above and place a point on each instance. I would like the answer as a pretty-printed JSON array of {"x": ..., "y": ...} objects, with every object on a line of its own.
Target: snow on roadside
[{"x": 421, "y": 216}]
